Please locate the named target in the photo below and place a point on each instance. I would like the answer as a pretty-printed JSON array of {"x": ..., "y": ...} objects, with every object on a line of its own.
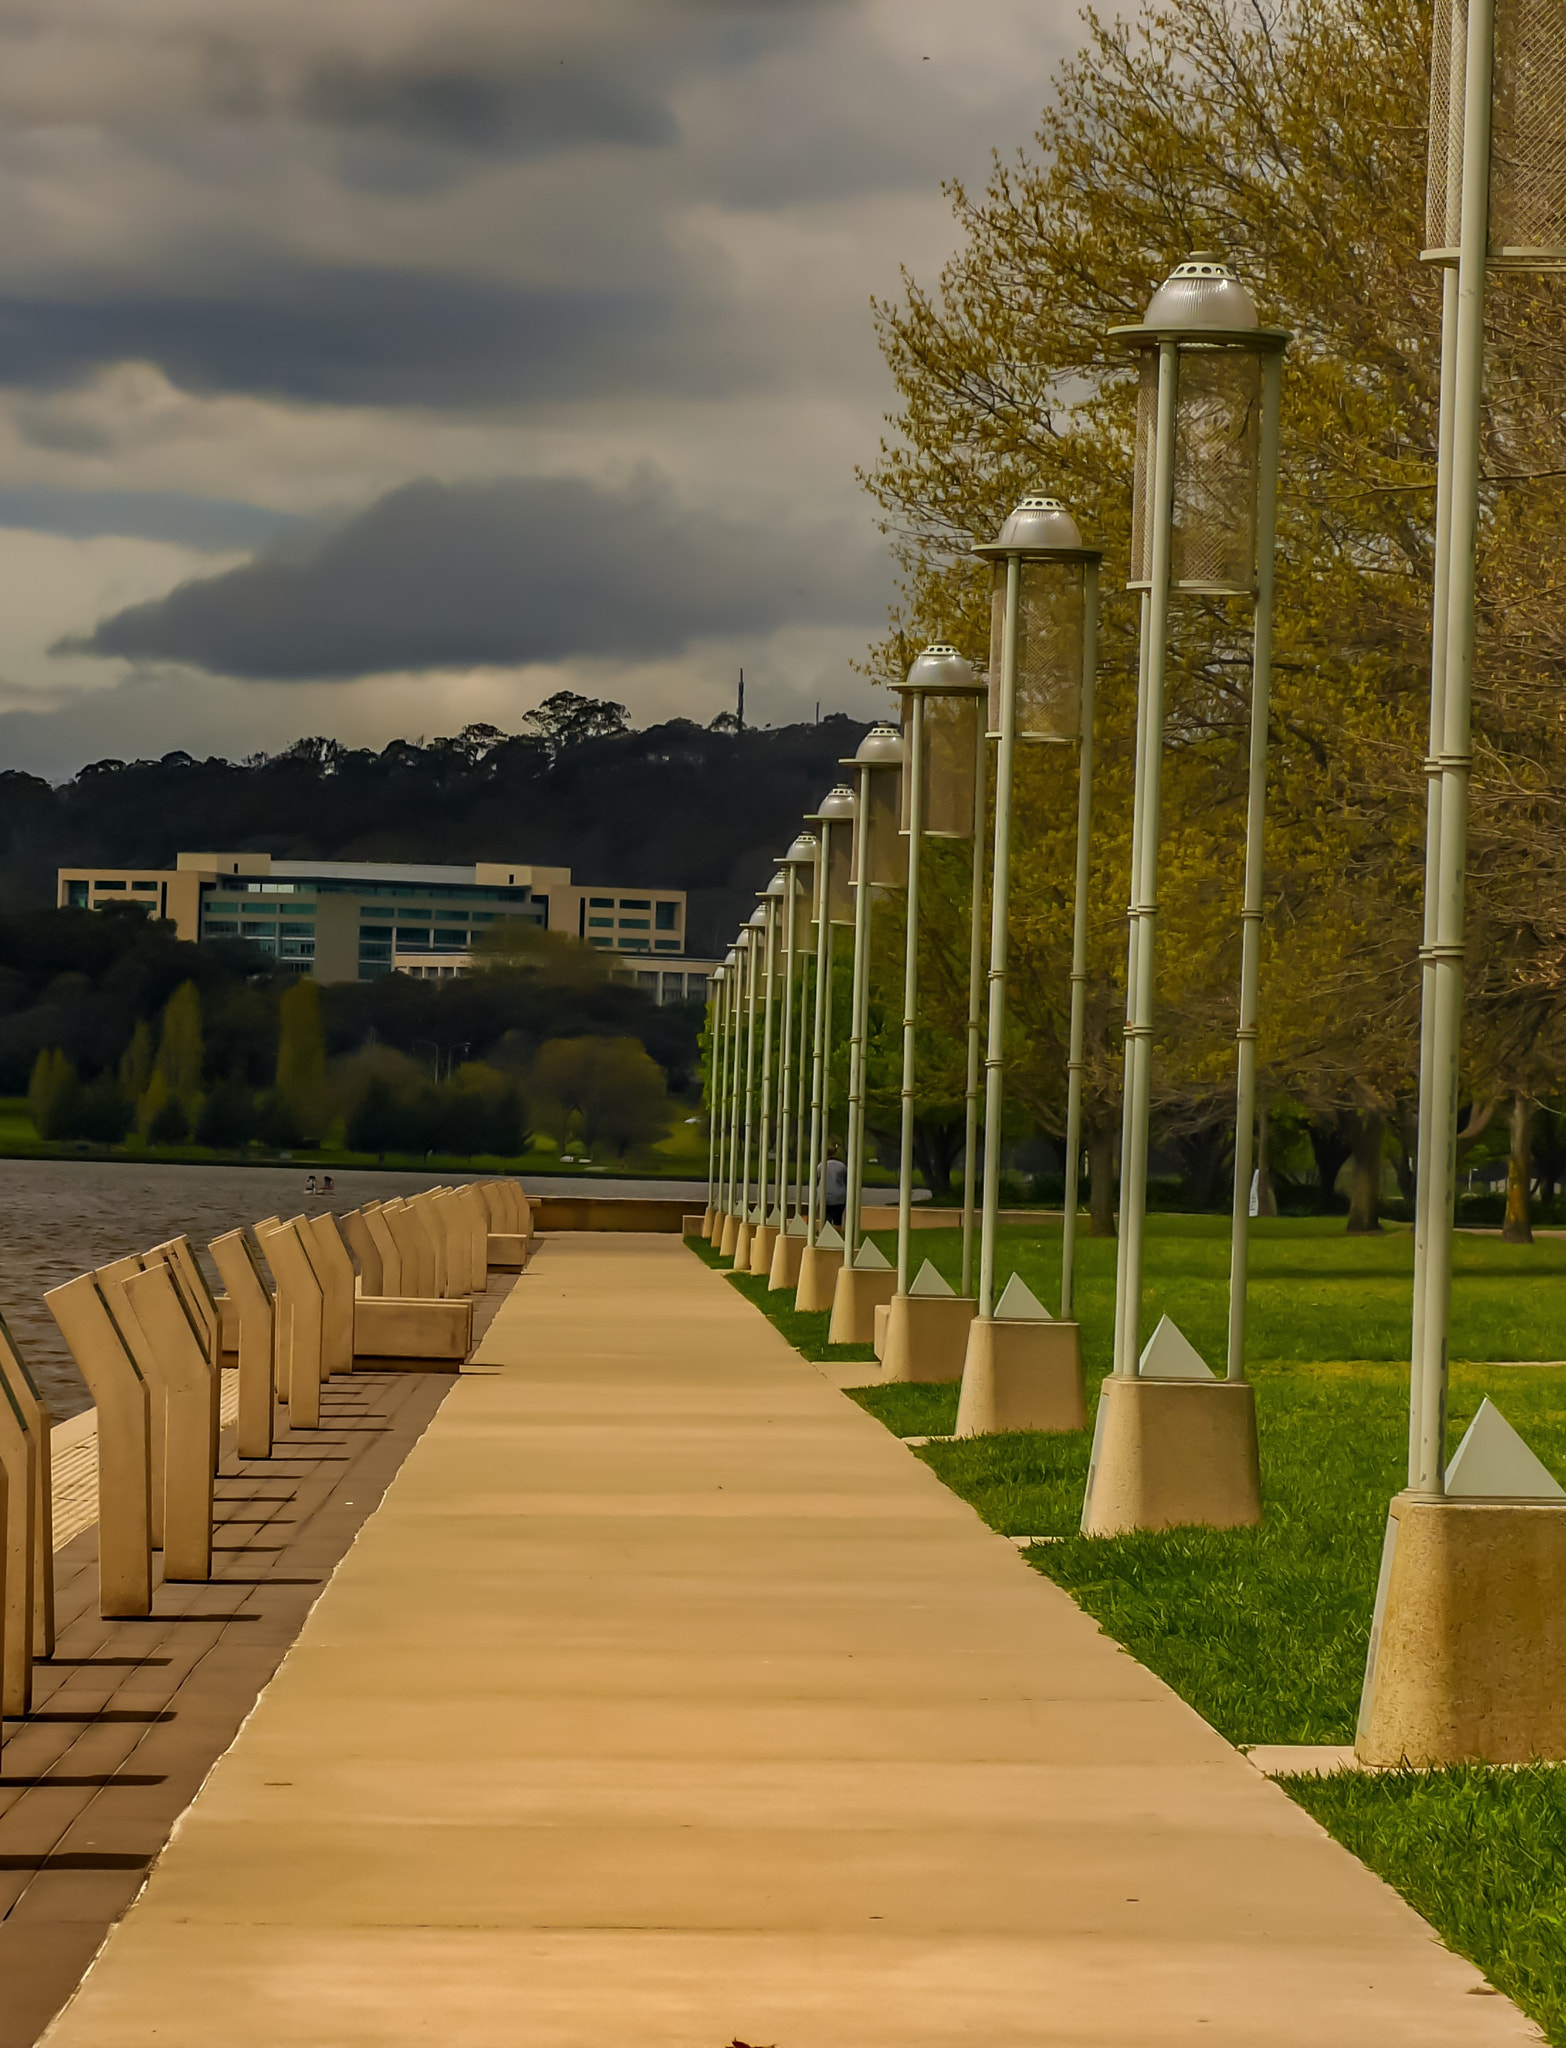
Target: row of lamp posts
[{"x": 1466, "y": 1659}]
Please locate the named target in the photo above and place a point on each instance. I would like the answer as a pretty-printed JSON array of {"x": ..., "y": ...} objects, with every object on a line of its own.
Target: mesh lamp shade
[
  {"x": 799, "y": 863},
  {"x": 941, "y": 689},
  {"x": 1209, "y": 317},
  {"x": 881, "y": 754},
  {"x": 1052, "y": 565},
  {"x": 837, "y": 812},
  {"x": 1527, "y": 227}
]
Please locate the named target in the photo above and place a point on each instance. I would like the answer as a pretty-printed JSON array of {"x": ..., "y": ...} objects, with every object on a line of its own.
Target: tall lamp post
[
  {"x": 1173, "y": 1444},
  {"x": 866, "y": 1279},
  {"x": 821, "y": 1256},
  {"x": 1464, "y": 1662},
  {"x": 726, "y": 1223},
  {"x": 763, "y": 1232},
  {"x": 1022, "y": 1369},
  {"x": 798, "y": 868},
  {"x": 717, "y": 999},
  {"x": 926, "y": 1323},
  {"x": 752, "y": 934}
]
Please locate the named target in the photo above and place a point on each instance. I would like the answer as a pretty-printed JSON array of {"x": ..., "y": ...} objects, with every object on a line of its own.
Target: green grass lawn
[{"x": 1264, "y": 1631}]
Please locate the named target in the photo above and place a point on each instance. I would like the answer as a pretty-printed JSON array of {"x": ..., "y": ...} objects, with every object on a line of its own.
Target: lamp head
[{"x": 1202, "y": 292}]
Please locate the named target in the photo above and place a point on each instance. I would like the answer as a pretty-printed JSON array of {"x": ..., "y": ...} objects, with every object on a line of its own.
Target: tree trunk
[
  {"x": 937, "y": 1148},
  {"x": 1330, "y": 1148},
  {"x": 1518, "y": 1226},
  {"x": 1364, "y": 1215},
  {"x": 1266, "y": 1196},
  {"x": 1101, "y": 1177},
  {"x": 1405, "y": 1161}
]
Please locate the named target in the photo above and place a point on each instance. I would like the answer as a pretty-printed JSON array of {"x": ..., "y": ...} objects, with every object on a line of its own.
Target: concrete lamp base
[
  {"x": 743, "y": 1232},
  {"x": 1168, "y": 1452},
  {"x": 882, "y": 1310},
  {"x": 1468, "y": 1650},
  {"x": 708, "y": 1219},
  {"x": 854, "y": 1301},
  {"x": 786, "y": 1255},
  {"x": 728, "y": 1236},
  {"x": 926, "y": 1337},
  {"x": 1020, "y": 1375},
  {"x": 819, "y": 1266},
  {"x": 763, "y": 1241}
]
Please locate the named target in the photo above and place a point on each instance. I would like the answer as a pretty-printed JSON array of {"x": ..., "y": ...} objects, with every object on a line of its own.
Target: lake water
[{"x": 58, "y": 1217}]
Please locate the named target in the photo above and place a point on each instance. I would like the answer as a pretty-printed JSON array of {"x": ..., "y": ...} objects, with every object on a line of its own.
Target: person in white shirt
[{"x": 834, "y": 1186}]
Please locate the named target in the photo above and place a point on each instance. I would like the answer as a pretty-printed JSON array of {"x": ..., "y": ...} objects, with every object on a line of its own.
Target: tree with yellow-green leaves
[
  {"x": 1290, "y": 137},
  {"x": 301, "y": 1058}
]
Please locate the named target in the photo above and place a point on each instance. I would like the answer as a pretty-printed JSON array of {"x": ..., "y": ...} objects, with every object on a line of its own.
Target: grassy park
[{"x": 1264, "y": 1631}]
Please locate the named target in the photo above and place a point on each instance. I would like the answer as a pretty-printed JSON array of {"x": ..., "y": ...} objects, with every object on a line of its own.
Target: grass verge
[
  {"x": 1264, "y": 1631},
  {"x": 807, "y": 1331}
]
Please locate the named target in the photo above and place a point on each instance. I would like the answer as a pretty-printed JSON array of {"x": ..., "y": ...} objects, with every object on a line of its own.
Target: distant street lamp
[
  {"x": 756, "y": 964},
  {"x": 822, "y": 1256},
  {"x": 943, "y": 781},
  {"x": 1173, "y": 1444},
  {"x": 763, "y": 1232},
  {"x": 1463, "y": 1664},
  {"x": 867, "y": 1277},
  {"x": 1023, "y": 1370},
  {"x": 734, "y": 1208},
  {"x": 717, "y": 999},
  {"x": 798, "y": 866}
]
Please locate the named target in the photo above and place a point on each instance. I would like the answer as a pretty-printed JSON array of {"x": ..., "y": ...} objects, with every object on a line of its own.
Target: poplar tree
[{"x": 301, "y": 1057}]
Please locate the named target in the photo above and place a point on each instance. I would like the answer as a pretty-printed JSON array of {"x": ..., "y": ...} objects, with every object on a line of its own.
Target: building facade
[{"x": 355, "y": 920}]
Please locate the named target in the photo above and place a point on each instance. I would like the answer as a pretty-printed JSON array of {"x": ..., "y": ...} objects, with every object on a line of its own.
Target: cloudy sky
[{"x": 372, "y": 366}]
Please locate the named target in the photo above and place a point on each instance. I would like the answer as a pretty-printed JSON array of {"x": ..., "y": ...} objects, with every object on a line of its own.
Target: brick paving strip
[{"x": 130, "y": 1716}]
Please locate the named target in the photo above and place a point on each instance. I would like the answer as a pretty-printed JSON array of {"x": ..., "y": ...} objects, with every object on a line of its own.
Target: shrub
[
  {"x": 51, "y": 1093},
  {"x": 169, "y": 1124},
  {"x": 228, "y": 1117},
  {"x": 100, "y": 1112}
]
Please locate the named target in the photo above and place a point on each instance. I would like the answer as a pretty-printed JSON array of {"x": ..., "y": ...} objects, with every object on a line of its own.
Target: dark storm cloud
[
  {"x": 499, "y": 573},
  {"x": 215, "y": 524},
  {"x": 358, "y": 336}
]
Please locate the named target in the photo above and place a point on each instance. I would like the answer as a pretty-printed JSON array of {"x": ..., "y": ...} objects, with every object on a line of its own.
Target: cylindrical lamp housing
[
  {"x": 945, "y": 686},
  {"x": 881, "y": 751},
  {"x": 1043, "y": 539},
  {"x": 1208, "y": 317},
  {"x": 800, "y": 864},
  {"x": 838, "y": 809},
  {"x": 1527, "y": 226}
]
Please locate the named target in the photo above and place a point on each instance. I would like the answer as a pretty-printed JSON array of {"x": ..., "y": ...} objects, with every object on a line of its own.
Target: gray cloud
[
  {"x": 217, "y": 524},
  {"x": 500, "y": 573}
]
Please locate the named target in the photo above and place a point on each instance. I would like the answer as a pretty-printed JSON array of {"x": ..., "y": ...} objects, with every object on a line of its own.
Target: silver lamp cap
[
  {"x": 758, "y": 918},
  {"x": 881, "y": 747},
  {"x": 941, "y": 667},
  {"x": 777, "y": 886},
  {"x": 1201, "y": 292},
  {"x": 1039, "y": 521},
  {"x": 836, "y": 805},
  {"x": 806, "y": 848}
]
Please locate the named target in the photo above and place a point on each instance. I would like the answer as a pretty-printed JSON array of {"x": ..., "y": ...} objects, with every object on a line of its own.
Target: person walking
[{"x": 834, "y": 1185}]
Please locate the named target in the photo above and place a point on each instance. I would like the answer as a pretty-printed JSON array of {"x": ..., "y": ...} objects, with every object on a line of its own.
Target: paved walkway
[{"x": 668, "y": 1701}]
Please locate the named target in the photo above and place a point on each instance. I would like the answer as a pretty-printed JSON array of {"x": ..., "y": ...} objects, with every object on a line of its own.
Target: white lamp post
[
  {"x": 867, "y": 1277},
  {"x": 798, "y": 867},
  {"x": 1464, "y": 1663},
  {"x": 717, "y": 996},
  {"x": 1174, "y": 1444},
  {"x": 1022, "y": 1369},
  {"x": 763, "y": 1231},
  {"x": 728, "y": 1231},
  {"x": 927, "y": 1324},
  {"x": 754, "y": 935},
  {"x": 822, "y": 1254}
]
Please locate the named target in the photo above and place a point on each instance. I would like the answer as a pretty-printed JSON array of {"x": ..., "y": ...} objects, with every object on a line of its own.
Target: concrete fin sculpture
[
  {"x": 1170, "y": 1355},
  {"x": 1019, "y": 1304},
  {"x": 928, "y": 1281},
  {"x": 1493, "y": 1463},
  {"x": 797, "y": 1227},
  {"x": 830, "y": 1237},
  {"x": 871, "y": 1259}
]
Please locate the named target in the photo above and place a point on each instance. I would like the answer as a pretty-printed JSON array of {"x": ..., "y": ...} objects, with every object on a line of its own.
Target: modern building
[{"x": 354, "y": 920}]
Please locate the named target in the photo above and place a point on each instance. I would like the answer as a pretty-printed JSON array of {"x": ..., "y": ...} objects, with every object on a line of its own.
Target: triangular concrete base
[
  {"x": 1493, "y": 1463},
  {"x": 1019, "y": 1304},
  {"x": 830, "y": 1236},
  {"x": 1170, "y": 1355},
  {"x": 871, "y": 1259},
  {"x": 797, "y": 1227},
  {"x": 928, "y": 1281}
]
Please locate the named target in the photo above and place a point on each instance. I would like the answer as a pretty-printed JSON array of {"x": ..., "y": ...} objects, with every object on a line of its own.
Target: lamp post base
[
  {"x": 1020, "y": 1375},
  {"x": 728, "y": 1236},
  {"x": 819, "y": 1266},
  {"x": 1468, "y": 1649},
  {"x": 762, "y": 1239},
  {"x": 1168, "y": 1452},
  {"x": 742, "y": 1237},
  {"x": 786, "y": 1255},
  {"x": 854, "y": 1300},
  {"x": 924, "y": 1336},
  {"x": 708, "y": 1218}
]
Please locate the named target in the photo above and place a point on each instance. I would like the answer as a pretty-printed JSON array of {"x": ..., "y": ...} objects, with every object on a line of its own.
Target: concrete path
[{"x": 668, "y": 1701}]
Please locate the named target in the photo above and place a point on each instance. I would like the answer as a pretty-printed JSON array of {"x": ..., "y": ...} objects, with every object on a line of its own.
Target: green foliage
[
  {"x": 373, "y": 1122},
  {"x": 101, "y": 1113},
  {"x": 301, "y": 1057},
  {"x": 228, "y": 1118},
  {"x": 180, "y": 1049},
  {"x": 169, "y": 1123},
  {"x": 136, "y": 1062},
  {"x": 51, "y": 1092},
  {"x": 607, "y": 1089}
]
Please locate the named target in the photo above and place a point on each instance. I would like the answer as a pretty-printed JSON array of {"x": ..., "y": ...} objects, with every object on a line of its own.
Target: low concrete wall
[{"x": 607, "y": 1212}]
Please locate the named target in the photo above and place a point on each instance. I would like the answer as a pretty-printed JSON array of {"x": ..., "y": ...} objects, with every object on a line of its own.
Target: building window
[
  {"x": 666, "y": 945},
  {"x": 407, "y": 936},
  {"x": 150, "y": 887},
  {"x": 222, "y": 909},
  {"x": 258, "y": 930},
  {"x": 600, "y": 922},
  {"x": 220, "y": 928},
  {"x": 667, "y": 917},
  {"x": 600, "y": 942},
  {"x": 636, "y": 903},
  {"x": 634, "y": 946},
  {"x": 600, "y": 903},
  {"x": 375, "y": 931},
  {"x": 451, "y": 917},
  {"x": 76, "y": 895},
  {"x": 101, "y": 884},
  {"x": 633, "y": 924},
  {"x": 290, "y": 930}
]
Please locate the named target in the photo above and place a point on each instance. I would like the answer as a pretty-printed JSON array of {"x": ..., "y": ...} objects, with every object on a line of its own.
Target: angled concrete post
[
  {"x": 190, "y": 1283},
  {"x": 298, "y": 1321},
  {"x": 478, "y": 1231},
  {"x": 190, "y": 1390},
  {"x": 450, "y": 1221},
  {"x": 334, "y": 1271},
  {"x": 363, "y": 1247},
  {"x": 422, "y": 1209},
  {"x": 416, "y": 1279},
  {"x": 387, "y": 1249},
  {"x": 18, "y": 1556},
  {"x": 39, "y": 1423},
  {"x": 111, "y": 1284},
  {"x": 121, "y": 1397},
  {"x": 257, "y": 1342}
]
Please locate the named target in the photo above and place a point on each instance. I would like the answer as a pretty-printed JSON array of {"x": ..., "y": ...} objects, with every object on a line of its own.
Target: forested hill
[{"x": 705, "y": 809}]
